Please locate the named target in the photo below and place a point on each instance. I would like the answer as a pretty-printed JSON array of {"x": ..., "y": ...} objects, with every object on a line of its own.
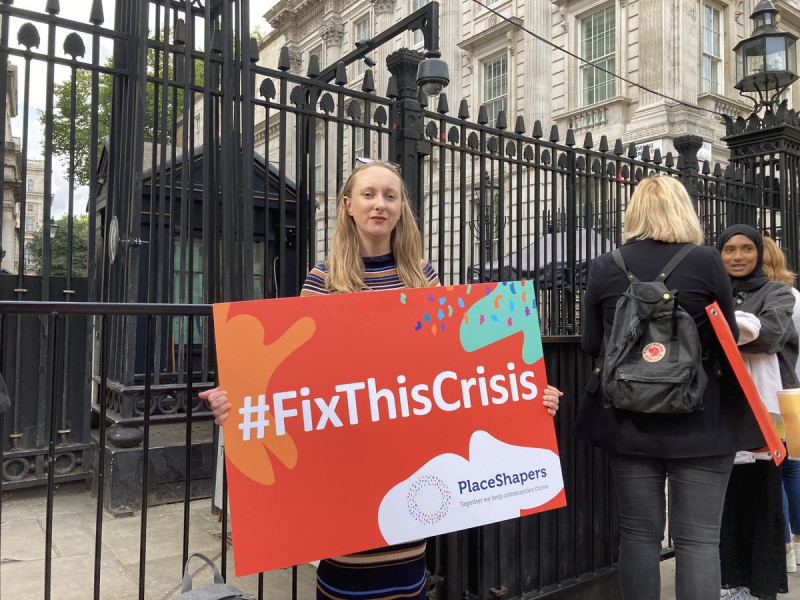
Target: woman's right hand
[{"x": 218, "y": 399}]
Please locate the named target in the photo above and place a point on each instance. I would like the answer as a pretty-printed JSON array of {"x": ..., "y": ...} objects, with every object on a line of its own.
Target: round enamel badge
[{"x": 654, "y": 352}]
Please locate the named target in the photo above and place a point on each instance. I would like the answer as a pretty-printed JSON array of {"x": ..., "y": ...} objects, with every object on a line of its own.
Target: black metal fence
[{"x": 210, "y": 176}]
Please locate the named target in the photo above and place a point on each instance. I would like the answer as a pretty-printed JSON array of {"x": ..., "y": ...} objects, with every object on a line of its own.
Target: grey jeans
[{"x": 696, "y": 497}]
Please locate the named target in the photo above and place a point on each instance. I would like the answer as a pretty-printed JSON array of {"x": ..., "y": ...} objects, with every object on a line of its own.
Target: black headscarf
[{"x": 757, "y": 278}]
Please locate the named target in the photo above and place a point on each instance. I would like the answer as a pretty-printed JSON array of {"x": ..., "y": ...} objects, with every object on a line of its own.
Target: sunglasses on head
[{"x": 367, "y": 161}]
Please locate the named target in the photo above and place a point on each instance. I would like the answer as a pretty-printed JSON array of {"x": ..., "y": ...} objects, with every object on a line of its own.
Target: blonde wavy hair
[
  {"x": 660, "y": 209},
  {"x": 775, "y": 262},
  {"x": 344, "y": 262}
]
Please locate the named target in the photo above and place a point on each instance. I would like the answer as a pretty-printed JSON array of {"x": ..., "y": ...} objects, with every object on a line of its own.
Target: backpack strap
[
  {"x": 668, "y": 268},
  {"x": 617, "y": 255},
  {"x": 679, "y": 256}
]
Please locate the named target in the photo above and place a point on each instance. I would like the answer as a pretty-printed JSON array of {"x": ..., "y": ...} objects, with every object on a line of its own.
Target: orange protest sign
[
  {"x": 361, "y": 420},
  {"x": 765, "y": 423}
]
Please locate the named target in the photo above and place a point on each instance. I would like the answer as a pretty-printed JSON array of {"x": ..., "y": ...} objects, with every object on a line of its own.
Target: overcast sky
[{"x": 79, "y": 11}]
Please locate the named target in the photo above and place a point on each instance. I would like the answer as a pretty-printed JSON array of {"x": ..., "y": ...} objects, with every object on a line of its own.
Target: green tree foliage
[
  {"x": 64, "y": 117},
  {"x": 80, "y": 247}
]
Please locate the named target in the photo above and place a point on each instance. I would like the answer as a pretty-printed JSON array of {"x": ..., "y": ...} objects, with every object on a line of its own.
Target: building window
[
  {"x": 29, "y": 208},
  {"x": 28, "y": 255},
  {"x": 319, "y": 156},
  {"x": 712, "y": 49},
  {"x": 30, "y": 185},
  {"x": 29, "y": 224},
  {"x": 416, "y": 37},
  {"x": 362, "y": 32},
  {"x": 598, "y": 41},
  {"x": 184, "y": 283},
  {"x": 495, "y": 86},
  {"x": 358, "y": 141}
]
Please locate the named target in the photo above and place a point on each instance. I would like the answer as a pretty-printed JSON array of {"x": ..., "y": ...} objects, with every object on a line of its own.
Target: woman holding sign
[
  {"x": 376, "y": 246},
  {"x": 752, "y": 550},
  {"x": 692, "y": 451}
]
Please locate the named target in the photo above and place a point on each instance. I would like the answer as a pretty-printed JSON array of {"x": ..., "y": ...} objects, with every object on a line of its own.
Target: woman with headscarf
[{"x": 752, "y": 551}]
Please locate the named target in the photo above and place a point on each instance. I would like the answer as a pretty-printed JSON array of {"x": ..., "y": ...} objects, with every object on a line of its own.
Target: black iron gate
[{"x": 209, "y": 175}]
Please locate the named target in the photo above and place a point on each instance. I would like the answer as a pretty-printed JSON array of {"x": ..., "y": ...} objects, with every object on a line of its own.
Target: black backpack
[{"x": 653, "y": 359}]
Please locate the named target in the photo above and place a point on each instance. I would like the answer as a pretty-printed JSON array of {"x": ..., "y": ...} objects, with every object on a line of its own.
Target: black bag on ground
[
  {"x": 653, "y": 359},
  {"x": 219, "y": 590}
]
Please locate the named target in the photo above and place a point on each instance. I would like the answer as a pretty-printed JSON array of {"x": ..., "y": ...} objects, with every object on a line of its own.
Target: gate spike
[
  {"x": 554, "y": 133},
  {"x": 368, "y": 85},
  {"x": 253, "y": 50},
  {"x": 341, "y": 74},
  {"x": 483, "y": 115},
  {"x": 179, "y": 32},
  {"x": 500, "y": 123},
  {"x": 538, "y": 132},
  {"x": 96, "y": 16},
  {"x": 284, "y": 64},
  {"x": 442, "y": 108},
  {"x": 631, "y": 150},
  {"x": 463, "y": 110},
  {"x": 588, "y": 142},
  {"x": 603, "y": 144},
  {"x": 391, "y": 88},
  {"x": 422, "y": 97},
  {"x": 519, "y": 127},
  {"x": 53, "y": 7},
  {"x": 313, "y": 66}
]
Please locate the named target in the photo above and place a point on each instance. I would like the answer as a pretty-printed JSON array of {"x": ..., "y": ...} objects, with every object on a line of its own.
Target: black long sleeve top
[{"x": 726, "y": 424}]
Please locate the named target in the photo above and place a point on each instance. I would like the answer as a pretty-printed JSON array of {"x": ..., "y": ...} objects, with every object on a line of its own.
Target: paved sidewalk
[
  {"x": 668, "y": 583},
  {"x": 23, "y": 540}
]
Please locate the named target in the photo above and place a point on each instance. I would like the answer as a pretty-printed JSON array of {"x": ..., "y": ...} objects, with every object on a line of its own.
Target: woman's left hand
[{"x": 551, "y": 399}]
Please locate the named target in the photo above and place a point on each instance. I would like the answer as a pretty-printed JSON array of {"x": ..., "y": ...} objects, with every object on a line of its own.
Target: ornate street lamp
[
  {"x": 53, "y": 228},
  {"x": 767, "y": 60}
]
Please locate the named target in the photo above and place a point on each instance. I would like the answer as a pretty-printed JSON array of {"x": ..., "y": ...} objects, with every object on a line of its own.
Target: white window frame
[
  {"x": 30, "y": 224},
  {"x": 28, "y": 255},
  {"x": 712, "y": 80},
  {"x": 605, "y": 56},
  {"x": 493, "y": 101},
  {"x": 359, "y": 34},
  {"x": 359, "y": 141},
  {"x": 30, "y": 185},
  {"x": 319, "y": 168}
]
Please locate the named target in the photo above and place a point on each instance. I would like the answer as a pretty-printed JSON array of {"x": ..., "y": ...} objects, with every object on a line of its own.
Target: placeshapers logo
[
  {"x": 451, "y": 492},
  {"x": 428, "y": 499}
]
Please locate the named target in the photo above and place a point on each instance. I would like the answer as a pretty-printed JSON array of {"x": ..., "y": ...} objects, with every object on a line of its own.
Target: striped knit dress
[{"x": 393, "y": 572}]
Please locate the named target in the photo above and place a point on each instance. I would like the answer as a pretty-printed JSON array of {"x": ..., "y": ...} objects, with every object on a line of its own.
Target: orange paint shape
[{"x": 240, "y": 369}]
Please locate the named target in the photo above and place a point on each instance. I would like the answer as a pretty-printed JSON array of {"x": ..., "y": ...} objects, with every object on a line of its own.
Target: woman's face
[
  {"x": 739, "y": 255},
  {"x": 375, "y": 203}
]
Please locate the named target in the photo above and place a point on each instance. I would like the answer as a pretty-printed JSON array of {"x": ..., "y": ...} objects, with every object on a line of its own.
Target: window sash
[
  {"x": 362, "y": 32},
  {"x": 495, "y": 86},
  {"x": 598, "y": 46},
  {"x": 711, "y": 61}
]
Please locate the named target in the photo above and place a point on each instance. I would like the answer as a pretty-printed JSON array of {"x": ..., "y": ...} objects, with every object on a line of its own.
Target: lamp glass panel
[
  {"x": 776, "y": 53},
  {"x": 753, "y": 51},
  {"x": 791, "y": 56}
]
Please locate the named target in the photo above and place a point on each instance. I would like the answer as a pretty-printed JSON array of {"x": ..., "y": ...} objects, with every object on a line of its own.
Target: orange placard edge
[{"x": 765, "y": 423}]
